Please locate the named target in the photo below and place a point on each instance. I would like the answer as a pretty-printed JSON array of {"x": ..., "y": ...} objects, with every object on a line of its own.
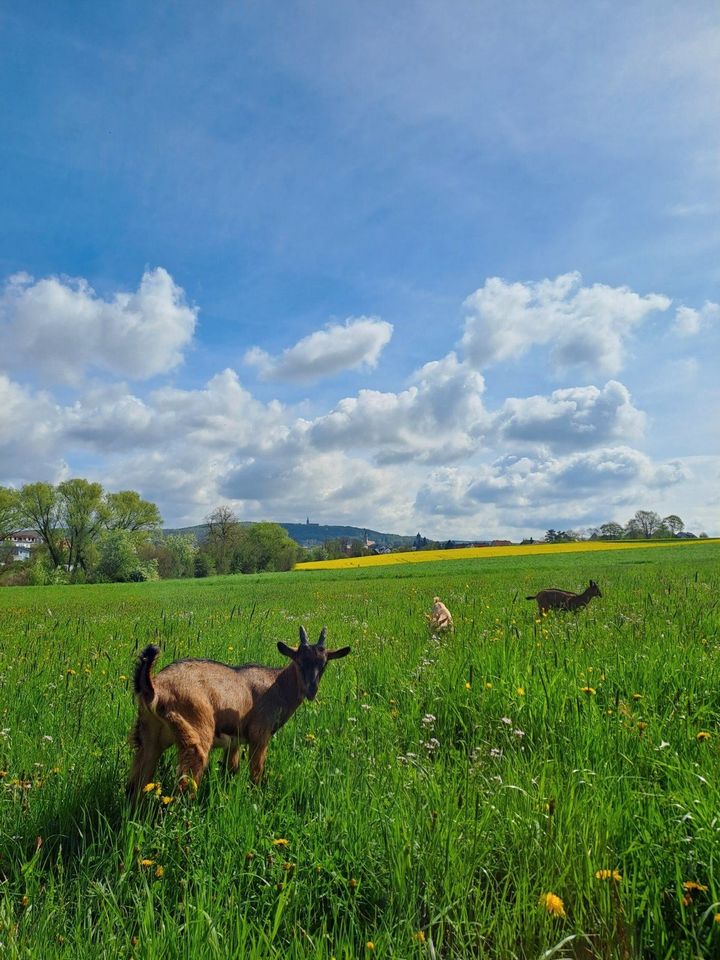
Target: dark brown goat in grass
[
  {"x": 196, "y": 705},
  {"x": 565, "y": 600}
]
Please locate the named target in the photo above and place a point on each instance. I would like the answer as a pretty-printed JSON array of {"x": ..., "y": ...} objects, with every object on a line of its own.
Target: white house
[{"x": 22, "y": 543}]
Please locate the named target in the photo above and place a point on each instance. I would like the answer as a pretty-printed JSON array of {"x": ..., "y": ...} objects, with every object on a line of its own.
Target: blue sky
[{"x": 412, "y": 266}]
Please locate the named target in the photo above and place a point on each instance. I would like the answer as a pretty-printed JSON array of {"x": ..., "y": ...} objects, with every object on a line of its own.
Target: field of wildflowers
[{"x": 523, "y": 787}]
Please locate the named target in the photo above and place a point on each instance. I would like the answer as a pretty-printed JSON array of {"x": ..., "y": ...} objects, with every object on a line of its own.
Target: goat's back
[{"x": 218, "y": 684}]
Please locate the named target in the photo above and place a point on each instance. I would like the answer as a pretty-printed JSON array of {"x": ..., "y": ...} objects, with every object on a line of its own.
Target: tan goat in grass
[
  {"x": 565, "y": 600},
  {"x": 196, "y": 705},
  {"x": 439, "y": 619}
]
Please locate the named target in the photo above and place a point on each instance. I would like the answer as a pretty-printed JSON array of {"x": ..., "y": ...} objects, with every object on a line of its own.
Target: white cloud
[
  {"x": 688, "y": 322},
  {"x": 222, "y": 416},
  {"x": 571, "y": 419},
  {"x": 30, "y": 443},
  {"x": 526, "y": 484},
  {"x": 439, "y": 417},
  {"x": 294, "y": 482},
  {"x": 61, "y": 328},
  {"x": 586, "y": 327},
  {"x": 356, "y": 343}
]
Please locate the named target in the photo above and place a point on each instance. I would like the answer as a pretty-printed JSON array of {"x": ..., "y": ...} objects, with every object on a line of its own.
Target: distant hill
[{"x": 313, "y": 534}]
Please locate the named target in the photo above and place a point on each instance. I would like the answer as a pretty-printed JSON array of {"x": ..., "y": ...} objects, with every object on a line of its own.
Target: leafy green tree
[
  {"x": 264, "y": 547},
  {"x": 203, "y": 564},
  {"x": 9, "y": 500},
  {"x": 82, "y": 517},
  {"x": 674, "y": 524},
  {"x": 223, "y": 537},
  {"x": 182, "y": 548},
  {"x": 118, "y": 557},
  {"x": 611, "y": 531},
  {"x": 643, "y": 524},
  {"x": 126, "y": 510},
  {"x": 39, "y": 507}
]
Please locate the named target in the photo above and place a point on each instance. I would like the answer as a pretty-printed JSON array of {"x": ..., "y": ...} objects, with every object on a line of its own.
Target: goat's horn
[
  {"x": 321, "y": 641},
  {"x": 303, "y": 637}
]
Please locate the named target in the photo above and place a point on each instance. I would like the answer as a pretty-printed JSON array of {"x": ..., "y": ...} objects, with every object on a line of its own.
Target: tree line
[
  {"x": 643, "y": 525},
  {"x": 91, "y": 535}
]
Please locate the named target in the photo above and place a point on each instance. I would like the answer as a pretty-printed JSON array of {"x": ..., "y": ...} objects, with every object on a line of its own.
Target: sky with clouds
[{"x": 415, "y": 266}]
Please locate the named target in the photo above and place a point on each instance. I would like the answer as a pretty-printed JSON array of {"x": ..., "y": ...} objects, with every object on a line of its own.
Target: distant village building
[{"x": 21, "y": 543}]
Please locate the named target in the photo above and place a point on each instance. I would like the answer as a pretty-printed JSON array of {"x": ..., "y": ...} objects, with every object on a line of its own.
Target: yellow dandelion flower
[
  {"x": 310, "y": 737},
  {"x": 716, "y": 918},
  {"x": 521, "y": 691},
  {"x": 370, "y": 945},
  {"x": 167, "y": 800},
  {"x": 352, "y": 883},
  {"x": 419, "y": 936},
  {"x": 553, "y": 904},
  {"x": 288, "y": 867},
  {"x": 637, "y": 696},
  {"x": 690, "y": 886},
  {"x": 147, "y": 863},
  {"x": 281, "y": 842},
  {"x": 160, "y": 873},
  {"x": 123, "y": 678},
  {"x": 608, "y": 875},
  {"x": 488, "y": 686},
  {"x": 468, "y": 685},
  {"x": 590, "y": 691},
  {"x": 149, "y": 787},
  {"x": 702, "y": 735}
]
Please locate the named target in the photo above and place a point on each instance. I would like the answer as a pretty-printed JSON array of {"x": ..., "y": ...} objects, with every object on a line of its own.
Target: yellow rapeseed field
[{"x": 472, "y": 553}]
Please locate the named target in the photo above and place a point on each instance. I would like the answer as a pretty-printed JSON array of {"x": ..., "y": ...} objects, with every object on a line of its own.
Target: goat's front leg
[
  {"x": 148, "y": 748},
  {"x": 257, "y": 753}
]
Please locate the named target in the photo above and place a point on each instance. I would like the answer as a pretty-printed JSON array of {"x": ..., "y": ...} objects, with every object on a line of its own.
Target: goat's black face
[{"x": 311, "y": 661}]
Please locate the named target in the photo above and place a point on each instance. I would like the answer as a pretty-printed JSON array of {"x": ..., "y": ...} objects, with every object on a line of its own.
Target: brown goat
[
  {"x": 565, "y": 600},
  {"x": 200, "y": 704}
]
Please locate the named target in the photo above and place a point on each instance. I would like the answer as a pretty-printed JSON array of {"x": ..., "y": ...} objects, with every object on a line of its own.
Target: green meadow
[{"x": 424, "y": 806}]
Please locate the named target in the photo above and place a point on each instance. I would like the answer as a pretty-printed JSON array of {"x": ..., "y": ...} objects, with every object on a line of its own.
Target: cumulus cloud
[
  {"x": 526, "y": 483},
  {"x": 62, "y": 328},
  {"x": 221, "y": 416},
  {"x": 295, "y": 481},
  {"x": 572, "y": 418},
  {"x": 688, "y": 321},
  {"x": 585, "y": 327},
  {"x": 356, "y": 343},
  {"x": 30, "y": 442},
  {"x": 439, "y": 417}
]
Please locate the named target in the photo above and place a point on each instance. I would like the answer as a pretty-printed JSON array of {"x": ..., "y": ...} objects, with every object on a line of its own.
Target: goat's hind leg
[{"x": 194, "y": 742}]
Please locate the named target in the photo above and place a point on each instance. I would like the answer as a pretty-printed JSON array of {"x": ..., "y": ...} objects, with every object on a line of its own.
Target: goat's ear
[
  {"x": 336, "y": 654},
  {"x": 286, "y": 650}
]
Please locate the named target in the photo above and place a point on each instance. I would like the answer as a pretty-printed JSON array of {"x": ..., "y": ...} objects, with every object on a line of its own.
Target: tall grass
[{"x": 429, "y": 797}]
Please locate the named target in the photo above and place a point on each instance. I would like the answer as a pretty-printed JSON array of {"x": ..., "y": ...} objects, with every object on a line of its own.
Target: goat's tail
[
  {"x": 532, "y": 598},
  {"x": 144, "y": 689}
]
